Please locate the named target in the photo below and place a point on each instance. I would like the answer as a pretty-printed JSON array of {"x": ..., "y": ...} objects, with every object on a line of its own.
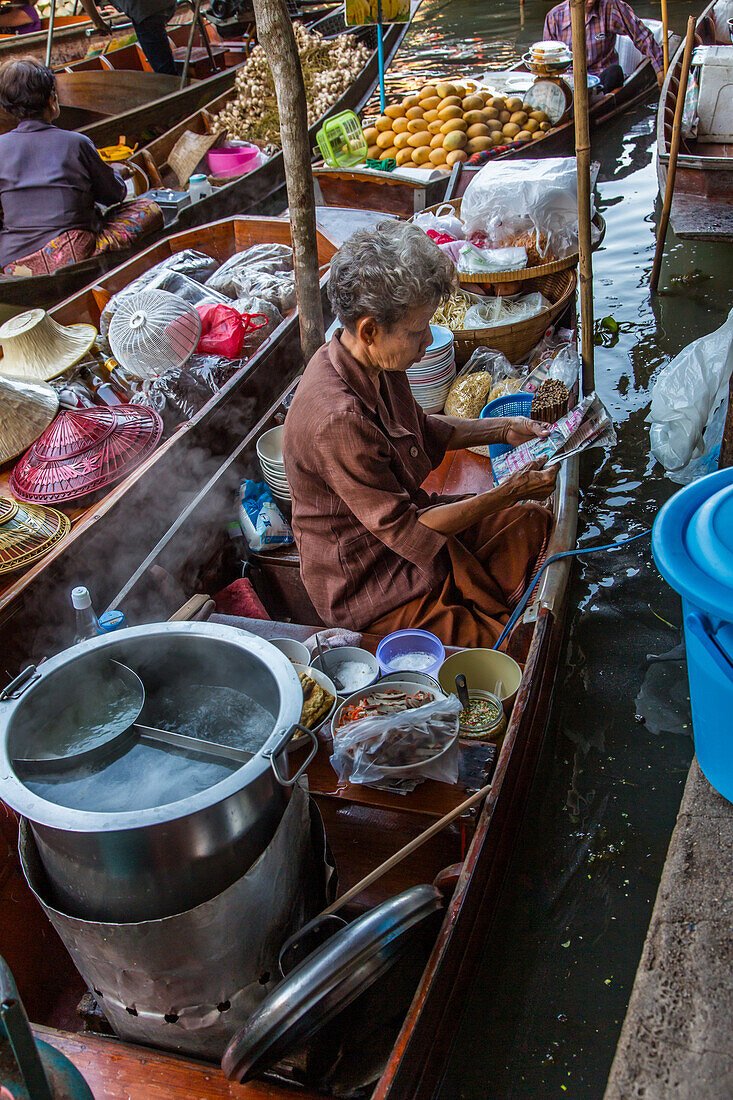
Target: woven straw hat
[
  {"x": 27, "y": 533},
  {"x": 36, "y": 347},
  {"x": 26, "y": 410}
]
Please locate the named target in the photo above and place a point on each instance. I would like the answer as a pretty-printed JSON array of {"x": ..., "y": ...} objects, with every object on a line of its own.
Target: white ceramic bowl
[
  {"x": 270, "y": 445},
  {"x": 334, "y": 658},
  {"x": 294, "y": 650}
]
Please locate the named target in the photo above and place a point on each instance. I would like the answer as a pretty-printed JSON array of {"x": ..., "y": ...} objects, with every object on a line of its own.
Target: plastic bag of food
[
  {"x": 262, "y": 522},
  {"x": 443, "y": 220},
  {"x": 183, "y": 286},
  {"x": 685, "y": 396},
  {"x": 271, "y": 258},
  {"x": 177, "y": 396},
  {"x": 223, "y": 329},
  {"x": 233, "y": 277},
  {"x": 513, "y": 202},
  {"x": 562, "y": 363},
  {"x": 264, "y": 308},
  {"x": 279, "y": 289},
  {"x": 473, "y": 260},
  {"x": 389, "y": 731},
  {"x": 195, "y": 265},
  {"x": 493, "y": 312},
  {"x": 211, "y": 371}
]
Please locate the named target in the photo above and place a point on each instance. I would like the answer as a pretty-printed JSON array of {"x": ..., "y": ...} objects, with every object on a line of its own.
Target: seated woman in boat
[
  {"x": 604, "y": 21},
  {"x": 19, "y": 18},
  {"x": 377, "y": 552},
  {"x": 51, "y": 181}
]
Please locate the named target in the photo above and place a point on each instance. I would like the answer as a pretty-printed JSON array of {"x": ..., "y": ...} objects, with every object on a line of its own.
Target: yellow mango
[
  {"x": 383, "y": 123},
  {"x": 389, "y": 154},
  {"x": 434, "y": 126},
  {"x": 449, "y": 101},
  {"x": 453, "y": 124},
  {"x": 421, "y": 156},
  {"x": 404, "y": 156},
  {"x": 523, "y": 135},
  {"x": 395, "y": 110},
  {"x": 520, "y": 117},
  {"x": 430, "y": 116},
  {"x": 477, "y": 131},
  {"x": 450, "y": 112},
  {"x": 473, "y": 118},
  {"x": 371, "y": 134},
  {"x": 410, "y": 101},
  {"x": 373, "y": 152},
  {"x": 478, "y": 145},
  {"x": 514, "y": 104},
  {"x": 415, "y": 125},
  {"x": 473, "y": 103},
  {"x": 416, "y": 141},
  {"x": 399, "y": 126},
  {"x": 438, "y": 156},
  {"x": 445, "y": 90},
  {"x": 431, "y": 103},
  {"x": 385, "y": 139},
  {"x": 437, "y": 141},
  {"x": 510, "y": 130},
  {"x": 454, "y": 156},
  {"x": 455, "y": 140},
  {"x": 414, "y": 112},
  {"x": 428, "y": 92},
  {"x": 400, "y": 140}
]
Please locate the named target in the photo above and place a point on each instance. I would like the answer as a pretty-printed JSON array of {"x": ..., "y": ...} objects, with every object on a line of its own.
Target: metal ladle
[
  {"x": 462, "y": 691},
  {"x": 122, "y": 730}
]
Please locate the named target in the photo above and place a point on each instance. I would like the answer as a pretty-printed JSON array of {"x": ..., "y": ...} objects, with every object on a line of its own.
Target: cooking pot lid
[{"x": 328, "y": 980}]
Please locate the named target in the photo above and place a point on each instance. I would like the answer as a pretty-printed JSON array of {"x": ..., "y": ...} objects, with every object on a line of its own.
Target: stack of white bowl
[
  {"x": 270, "y": 454},
  {"x": 431, "y": 379}
]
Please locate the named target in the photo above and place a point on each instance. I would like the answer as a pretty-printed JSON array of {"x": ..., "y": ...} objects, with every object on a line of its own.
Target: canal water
[{"x": 547, "y": 1004}]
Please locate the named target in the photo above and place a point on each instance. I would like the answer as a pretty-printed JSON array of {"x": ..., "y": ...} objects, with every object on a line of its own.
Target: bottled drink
[
  {"x": 87, "y": 623},
  {"x": 199, "y": 187}
]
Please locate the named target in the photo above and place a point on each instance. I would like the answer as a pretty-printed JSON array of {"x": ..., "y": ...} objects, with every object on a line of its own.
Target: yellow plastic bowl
[{"x": 482, "y": 668}]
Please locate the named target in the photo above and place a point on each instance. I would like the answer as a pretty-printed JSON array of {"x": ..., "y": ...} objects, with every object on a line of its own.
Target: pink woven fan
[{"x": 84, "y": 451}]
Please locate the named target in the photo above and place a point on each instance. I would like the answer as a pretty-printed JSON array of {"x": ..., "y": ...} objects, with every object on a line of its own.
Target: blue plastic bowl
[
  {"x": 514, "y": 404},
  {"x": 410, "y": 641}
]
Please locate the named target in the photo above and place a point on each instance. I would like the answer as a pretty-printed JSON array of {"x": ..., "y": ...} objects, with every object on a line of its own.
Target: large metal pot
[{"x": 151, "y": 862}]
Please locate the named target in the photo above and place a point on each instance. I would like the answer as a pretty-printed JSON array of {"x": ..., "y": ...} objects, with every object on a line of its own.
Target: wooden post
[
  {"x": 582, "y": 155},
  {"x": 674, "y": 148},
  {"x": 726, "y": 449},
  {"x": 276, "y": 36},
  {"x": 189, "y": 45},
  {"x": 665, "y": 36}
]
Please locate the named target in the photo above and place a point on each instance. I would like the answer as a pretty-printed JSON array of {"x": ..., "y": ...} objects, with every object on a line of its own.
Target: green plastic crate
[{"x": 341, "y": 141}]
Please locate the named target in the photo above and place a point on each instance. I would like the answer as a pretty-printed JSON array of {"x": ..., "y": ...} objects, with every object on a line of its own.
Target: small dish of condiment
[
  {"x": 483, "y": 719},
  {"x": 352, "y": 667}
]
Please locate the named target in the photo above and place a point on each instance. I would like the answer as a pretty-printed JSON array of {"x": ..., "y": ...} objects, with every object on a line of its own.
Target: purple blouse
[{"x": 50, "y": 180}]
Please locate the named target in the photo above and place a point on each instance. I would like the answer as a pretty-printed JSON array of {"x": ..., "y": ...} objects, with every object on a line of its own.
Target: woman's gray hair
[{"x": 387, "y": 272}]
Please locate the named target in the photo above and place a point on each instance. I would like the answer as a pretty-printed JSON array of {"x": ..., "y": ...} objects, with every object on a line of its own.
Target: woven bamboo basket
[
  {"x": 521, "y": 274},
  {"x": 517, "y": 339}
]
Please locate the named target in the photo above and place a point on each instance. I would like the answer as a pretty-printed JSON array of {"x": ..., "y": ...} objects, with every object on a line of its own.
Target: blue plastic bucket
[
  {"x": 513, "y": 404},
  {"x": 692, "y": 542}
]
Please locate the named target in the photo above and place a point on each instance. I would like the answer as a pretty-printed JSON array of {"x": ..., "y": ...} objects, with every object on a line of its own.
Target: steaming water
[
  {"x": 153, "y": 775},
  {"x": 219, "y": 714},
  {"x": 144, "y": 777},
  {"x": 544, "y": 1014}
]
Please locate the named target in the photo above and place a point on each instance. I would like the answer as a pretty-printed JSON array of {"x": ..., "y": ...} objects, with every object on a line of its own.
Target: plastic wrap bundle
[
  {"x": 486, "y": 375},
  {"x": 212, "y": 371},
  {"x": 195, "y": 267},
  {"x": 261, "y": 306},
  {"x": 524, "y": 202},
  {"x": 373, "y": 750},
  {"x": 176, "y": 396},
  {"x": 492, "y": 312},
  {"x": 264, "y": 270}
]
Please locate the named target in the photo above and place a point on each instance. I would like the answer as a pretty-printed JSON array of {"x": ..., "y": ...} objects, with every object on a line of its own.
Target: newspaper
[{"x": 587, "y": 425}]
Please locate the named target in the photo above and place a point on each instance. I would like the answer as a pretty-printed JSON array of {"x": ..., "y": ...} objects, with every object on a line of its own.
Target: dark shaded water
[{"x": 547, "y": 1005}]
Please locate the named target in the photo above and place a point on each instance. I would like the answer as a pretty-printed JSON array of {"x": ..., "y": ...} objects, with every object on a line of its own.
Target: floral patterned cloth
[{"x": 123, "y": 225}]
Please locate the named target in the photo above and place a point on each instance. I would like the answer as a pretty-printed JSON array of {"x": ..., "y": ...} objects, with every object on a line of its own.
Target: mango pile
[{"x": 444, "y": 123}]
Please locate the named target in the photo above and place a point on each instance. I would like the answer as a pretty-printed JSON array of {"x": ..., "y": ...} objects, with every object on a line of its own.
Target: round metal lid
[{"x": 327, "y": 981}]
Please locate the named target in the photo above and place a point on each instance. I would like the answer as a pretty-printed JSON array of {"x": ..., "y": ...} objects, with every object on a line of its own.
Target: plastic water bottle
[
  {"x": 87, "y": 623},
  {"x": 199, "y": 187}
]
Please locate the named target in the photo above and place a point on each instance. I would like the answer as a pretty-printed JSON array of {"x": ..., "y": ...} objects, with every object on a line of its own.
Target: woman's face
[{"x": 396, "y": 348}]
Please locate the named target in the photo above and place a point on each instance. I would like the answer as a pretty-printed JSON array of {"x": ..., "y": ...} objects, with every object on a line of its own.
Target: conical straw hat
[
  {"x": 26, "y": 410},
  {"x": 38, "y": 348},
  {"x": 27, "y": 533}
]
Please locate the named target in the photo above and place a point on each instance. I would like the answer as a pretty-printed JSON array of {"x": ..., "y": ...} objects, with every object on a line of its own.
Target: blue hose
[{"x": 519, "y": 609}]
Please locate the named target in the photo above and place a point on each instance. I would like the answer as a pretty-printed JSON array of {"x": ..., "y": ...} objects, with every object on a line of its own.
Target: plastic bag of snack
[{"x": 388, "y": 731}]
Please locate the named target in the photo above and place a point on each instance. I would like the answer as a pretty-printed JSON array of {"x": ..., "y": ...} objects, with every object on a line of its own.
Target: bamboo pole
[
  {"x": 276, "y": 36},
  {"x": 665, "y": 36},
  {"x": 403, "y": 853},
  {"x": 674, "y": 148},
  {"x": 582, "y": 156},
  {"x": 189, "y": 45},
  {"x": 49, "y": 39}
]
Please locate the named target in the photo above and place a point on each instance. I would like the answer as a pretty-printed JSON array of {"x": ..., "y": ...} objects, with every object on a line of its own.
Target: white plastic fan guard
[{"x": 152, "y": 332}]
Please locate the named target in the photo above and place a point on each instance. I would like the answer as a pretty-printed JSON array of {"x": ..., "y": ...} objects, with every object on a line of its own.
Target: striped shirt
[
  {"x": 355, "y": 457},
  {"x": 606, "y": 20}
]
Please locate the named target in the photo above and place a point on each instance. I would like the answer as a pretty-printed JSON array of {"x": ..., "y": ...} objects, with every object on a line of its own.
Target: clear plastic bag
[
  {"x": 195, "y": 266},
  {"x": 177, "y": 396},
  {"x": 212, "y": 371},
  {"x": 279, "y": 289},
  {"x": 510, "y": 201},
  {"x": 262, "y": 522},
  {"x": 486, "y": 375},
  {"x": 377, "y": 750},
  {"x": 443, "y": 220},
  {"x": 493, "y": 312},
  {"x": 684, "y": 398},
  {"x": 270, "y": 266},
  {"x": 183, "y": 286},
  {"x": 473, "y": 260},
  {"x": 254, "y": 305}
]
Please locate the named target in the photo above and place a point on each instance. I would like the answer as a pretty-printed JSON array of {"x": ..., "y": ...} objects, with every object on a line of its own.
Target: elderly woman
[
  {"x": 51, "y": 181},
  {"x": 377, "y": 552}
]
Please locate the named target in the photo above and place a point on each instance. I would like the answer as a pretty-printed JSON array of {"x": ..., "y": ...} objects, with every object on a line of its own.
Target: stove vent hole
[
  {"x": 265, "y": 978},
  {"x": 224, "y": 1006},
  {"x": 132, "y": 1011},
  {"x": 171, "y": 1017}
]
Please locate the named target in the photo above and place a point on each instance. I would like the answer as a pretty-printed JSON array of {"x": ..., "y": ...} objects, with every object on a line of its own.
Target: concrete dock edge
[{"x": 676, "y": 1042}]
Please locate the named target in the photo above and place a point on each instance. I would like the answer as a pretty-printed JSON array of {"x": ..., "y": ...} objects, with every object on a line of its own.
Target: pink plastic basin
[{"x": 234, "y": 161}]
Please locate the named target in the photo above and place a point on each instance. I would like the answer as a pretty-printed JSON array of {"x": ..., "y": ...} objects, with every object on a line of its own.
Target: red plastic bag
[{"x": 223, "y": 329}]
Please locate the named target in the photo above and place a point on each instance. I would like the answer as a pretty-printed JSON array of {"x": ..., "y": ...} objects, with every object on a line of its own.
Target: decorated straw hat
[
  {"x": 27, "y": 533},
  {"x": 26, "y": 410},
  {"x": 85, "y": 450},
  {"x": 38, "y": 348}
]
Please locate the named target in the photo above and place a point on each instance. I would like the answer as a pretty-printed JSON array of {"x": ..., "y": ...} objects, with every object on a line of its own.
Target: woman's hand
[
  {"x": 534, "y": 482},
  {"x": 520, "y": 429}
]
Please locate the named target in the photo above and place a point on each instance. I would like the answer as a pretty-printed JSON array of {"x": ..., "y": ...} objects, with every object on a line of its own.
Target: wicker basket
[
  {"x": 521, "y": 274},
  {"x": 517, "y": 339}
]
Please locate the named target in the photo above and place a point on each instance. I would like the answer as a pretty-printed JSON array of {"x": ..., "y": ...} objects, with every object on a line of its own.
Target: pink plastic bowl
[{"x": 233, "y": 161}]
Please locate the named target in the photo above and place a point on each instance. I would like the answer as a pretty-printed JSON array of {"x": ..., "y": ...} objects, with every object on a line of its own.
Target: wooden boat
[
  {"x": 702, "y": 205},
  {"x": 363, "y": 826},
  {"x": 227, "y": 415}
]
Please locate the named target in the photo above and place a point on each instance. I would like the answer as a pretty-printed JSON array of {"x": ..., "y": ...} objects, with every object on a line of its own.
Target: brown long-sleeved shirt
[{"x": 355, "y": 459}]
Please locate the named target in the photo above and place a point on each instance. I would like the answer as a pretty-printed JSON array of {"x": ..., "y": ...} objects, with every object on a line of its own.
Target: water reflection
[{"x": 548, "y": 1002}]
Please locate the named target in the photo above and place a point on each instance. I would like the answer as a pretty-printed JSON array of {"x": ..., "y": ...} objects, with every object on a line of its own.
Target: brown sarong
[{"x": 491, "y": 565}]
